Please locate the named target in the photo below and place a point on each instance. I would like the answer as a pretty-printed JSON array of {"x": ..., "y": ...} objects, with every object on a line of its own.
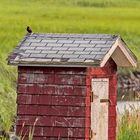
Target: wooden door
[{"x": 99, "y": 108}]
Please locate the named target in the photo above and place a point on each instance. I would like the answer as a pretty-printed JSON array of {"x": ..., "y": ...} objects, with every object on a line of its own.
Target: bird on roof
[{"x": 29, "y": 30}]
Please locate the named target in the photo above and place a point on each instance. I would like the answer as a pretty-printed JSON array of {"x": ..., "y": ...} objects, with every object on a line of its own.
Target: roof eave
[
  {"x": 131, "y": 56},
  {"x": 55, "y": 64},
  {"x": 128, "y": 54}
]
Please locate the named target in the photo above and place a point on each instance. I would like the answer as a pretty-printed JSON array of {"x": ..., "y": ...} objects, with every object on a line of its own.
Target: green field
[{"x": 67, "y": 16}]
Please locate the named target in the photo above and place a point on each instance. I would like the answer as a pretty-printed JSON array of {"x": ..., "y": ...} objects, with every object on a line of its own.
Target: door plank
[{"x": 99, "y": 110}]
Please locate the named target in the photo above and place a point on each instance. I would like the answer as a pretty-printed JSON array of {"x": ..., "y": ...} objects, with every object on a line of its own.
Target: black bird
[{"x": 29, "y": 30}]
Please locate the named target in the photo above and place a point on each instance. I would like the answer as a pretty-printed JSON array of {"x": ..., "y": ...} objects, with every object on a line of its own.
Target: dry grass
[{"x": 129, "y": 125}]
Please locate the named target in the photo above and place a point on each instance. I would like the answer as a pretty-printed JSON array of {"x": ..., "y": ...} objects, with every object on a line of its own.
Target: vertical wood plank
[{"x": 99, "y": 110}]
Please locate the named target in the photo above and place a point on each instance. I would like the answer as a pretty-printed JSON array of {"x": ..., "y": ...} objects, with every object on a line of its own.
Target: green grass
[
  {"x": 129, "y": 125},
  {"x": 67, "y": 16}
]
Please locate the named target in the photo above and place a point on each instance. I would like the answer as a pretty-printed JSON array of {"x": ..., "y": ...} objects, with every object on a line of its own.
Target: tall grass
[
  {"x": 32, "y": 130},
  {"x": 129, "y": 125},
  {"x": 7, "y": 97}
]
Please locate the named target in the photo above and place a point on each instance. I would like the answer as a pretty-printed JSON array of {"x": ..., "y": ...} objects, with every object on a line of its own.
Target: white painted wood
[
  {"x": 129, "y": 55},
  {"x": 109, "y": 54},
  {"x": 119, "y": 51},
  {"x": 99, "y": 110},
  {"x": 120, "y": 59}
]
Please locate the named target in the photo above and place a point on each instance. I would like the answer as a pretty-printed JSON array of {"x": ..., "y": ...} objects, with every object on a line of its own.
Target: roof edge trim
[
  {"x": 125, "y": 50},
  {"x": 108, "y": 55},
  {"x": 129, "y": 54}
]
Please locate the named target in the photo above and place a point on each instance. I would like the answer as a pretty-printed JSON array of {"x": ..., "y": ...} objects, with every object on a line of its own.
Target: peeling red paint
[
  {"x": 109, "y": 71},
  {"x": 57, "y": 97},
  {"x": 60, "y": 99}
]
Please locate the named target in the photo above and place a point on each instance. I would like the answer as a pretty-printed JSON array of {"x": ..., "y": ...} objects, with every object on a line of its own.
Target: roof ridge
[{"x": 50, "y": 33}]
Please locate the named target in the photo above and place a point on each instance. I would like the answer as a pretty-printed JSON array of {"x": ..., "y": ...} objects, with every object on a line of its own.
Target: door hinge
[
  {"x": 91, "y": 96},
  {"x": 91, "y": 134}
]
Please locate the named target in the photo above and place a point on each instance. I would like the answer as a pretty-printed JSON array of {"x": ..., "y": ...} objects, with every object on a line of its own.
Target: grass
[
  {"x": 67, "y": 16},
  {"x": 129, "y": 125}
]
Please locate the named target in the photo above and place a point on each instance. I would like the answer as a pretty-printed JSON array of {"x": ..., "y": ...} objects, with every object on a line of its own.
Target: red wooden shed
[{"x": 67, "y": 84}]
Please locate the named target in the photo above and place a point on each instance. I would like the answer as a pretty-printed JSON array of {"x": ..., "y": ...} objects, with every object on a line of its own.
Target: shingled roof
[{"x": 68, "y": 49}]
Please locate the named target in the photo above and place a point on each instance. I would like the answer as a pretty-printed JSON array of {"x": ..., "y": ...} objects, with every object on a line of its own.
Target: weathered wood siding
[
  {"x": 58, "y": 98},
  {"x": 109, "y": 71},
  {"x": 99, "y": 110}
]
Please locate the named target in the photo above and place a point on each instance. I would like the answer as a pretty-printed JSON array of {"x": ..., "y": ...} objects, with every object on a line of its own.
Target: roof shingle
[{"x": 73, "y": 48}]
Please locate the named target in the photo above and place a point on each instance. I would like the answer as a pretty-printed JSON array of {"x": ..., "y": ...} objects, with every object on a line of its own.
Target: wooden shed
[{"x": 67, "y": 85}]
